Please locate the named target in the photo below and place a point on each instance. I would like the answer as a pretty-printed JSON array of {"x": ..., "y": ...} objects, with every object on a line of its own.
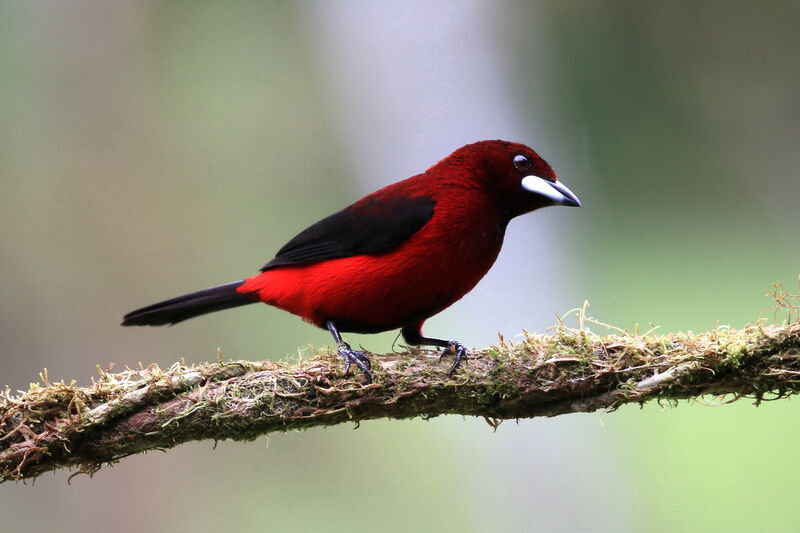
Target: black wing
[{"x": 370, "y": 226}]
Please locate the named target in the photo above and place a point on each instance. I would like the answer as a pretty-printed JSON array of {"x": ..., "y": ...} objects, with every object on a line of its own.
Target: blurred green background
[{"x": 149, "y": 149}]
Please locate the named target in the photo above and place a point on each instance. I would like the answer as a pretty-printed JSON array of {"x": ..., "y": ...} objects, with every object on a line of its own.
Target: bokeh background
[{"x": 149, "y": 148}]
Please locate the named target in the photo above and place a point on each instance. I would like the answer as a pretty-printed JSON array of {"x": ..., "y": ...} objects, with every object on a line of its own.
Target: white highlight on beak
[{"x": 555, "y": 191}]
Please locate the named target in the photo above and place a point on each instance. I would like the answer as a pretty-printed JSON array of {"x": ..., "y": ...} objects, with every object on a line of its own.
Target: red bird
[{"x": 395, "y": 257}]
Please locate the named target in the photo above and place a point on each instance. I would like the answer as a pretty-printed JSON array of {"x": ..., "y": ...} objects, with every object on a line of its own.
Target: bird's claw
[
  {"x": 460, "y": 353},
  {"x": 361, "y": 360}
]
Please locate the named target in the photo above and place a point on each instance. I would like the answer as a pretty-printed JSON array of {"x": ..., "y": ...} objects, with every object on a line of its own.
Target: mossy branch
[{"x": 55, "y": 425}]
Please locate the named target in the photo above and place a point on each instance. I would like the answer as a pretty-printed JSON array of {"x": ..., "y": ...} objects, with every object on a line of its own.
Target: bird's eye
[{"x": 522, "y": 162}]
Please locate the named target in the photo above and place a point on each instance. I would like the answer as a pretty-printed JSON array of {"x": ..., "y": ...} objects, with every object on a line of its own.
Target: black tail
[{"x": 188, "y": 306}]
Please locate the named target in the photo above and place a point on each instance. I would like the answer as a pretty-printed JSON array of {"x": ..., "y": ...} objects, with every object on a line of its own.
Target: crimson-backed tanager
[{"x": 395, "y": 257}]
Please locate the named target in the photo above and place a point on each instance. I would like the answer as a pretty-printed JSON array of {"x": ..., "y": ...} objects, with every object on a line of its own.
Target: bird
[{"x": 396, "y": 257}]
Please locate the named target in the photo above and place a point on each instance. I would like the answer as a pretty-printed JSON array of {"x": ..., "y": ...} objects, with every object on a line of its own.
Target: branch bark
[{"x": 55, "y": 425}]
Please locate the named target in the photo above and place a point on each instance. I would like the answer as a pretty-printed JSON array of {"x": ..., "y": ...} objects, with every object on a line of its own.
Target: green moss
[{"x": 542, "y": 375}]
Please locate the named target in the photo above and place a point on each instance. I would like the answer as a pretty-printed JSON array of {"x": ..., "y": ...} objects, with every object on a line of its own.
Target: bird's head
[{"x": 518, "y": 177}]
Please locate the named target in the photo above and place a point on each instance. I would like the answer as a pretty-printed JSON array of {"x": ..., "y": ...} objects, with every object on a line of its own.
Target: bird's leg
[
  {"x": 348, "y": 354},
  {"x": 413, "y": 335}
]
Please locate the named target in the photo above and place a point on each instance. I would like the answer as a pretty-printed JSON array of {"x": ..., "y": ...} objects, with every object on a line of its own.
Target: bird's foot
[
  {"x": 457, "y": 349},
  {"x": 350, "y": 356}
]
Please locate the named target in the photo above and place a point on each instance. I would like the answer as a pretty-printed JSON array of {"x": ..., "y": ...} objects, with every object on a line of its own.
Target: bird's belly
[{"x": 372, "y": 293}]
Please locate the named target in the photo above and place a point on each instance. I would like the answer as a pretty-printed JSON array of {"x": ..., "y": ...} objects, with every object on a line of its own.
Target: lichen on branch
[{"x": 569, "y": 370}]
